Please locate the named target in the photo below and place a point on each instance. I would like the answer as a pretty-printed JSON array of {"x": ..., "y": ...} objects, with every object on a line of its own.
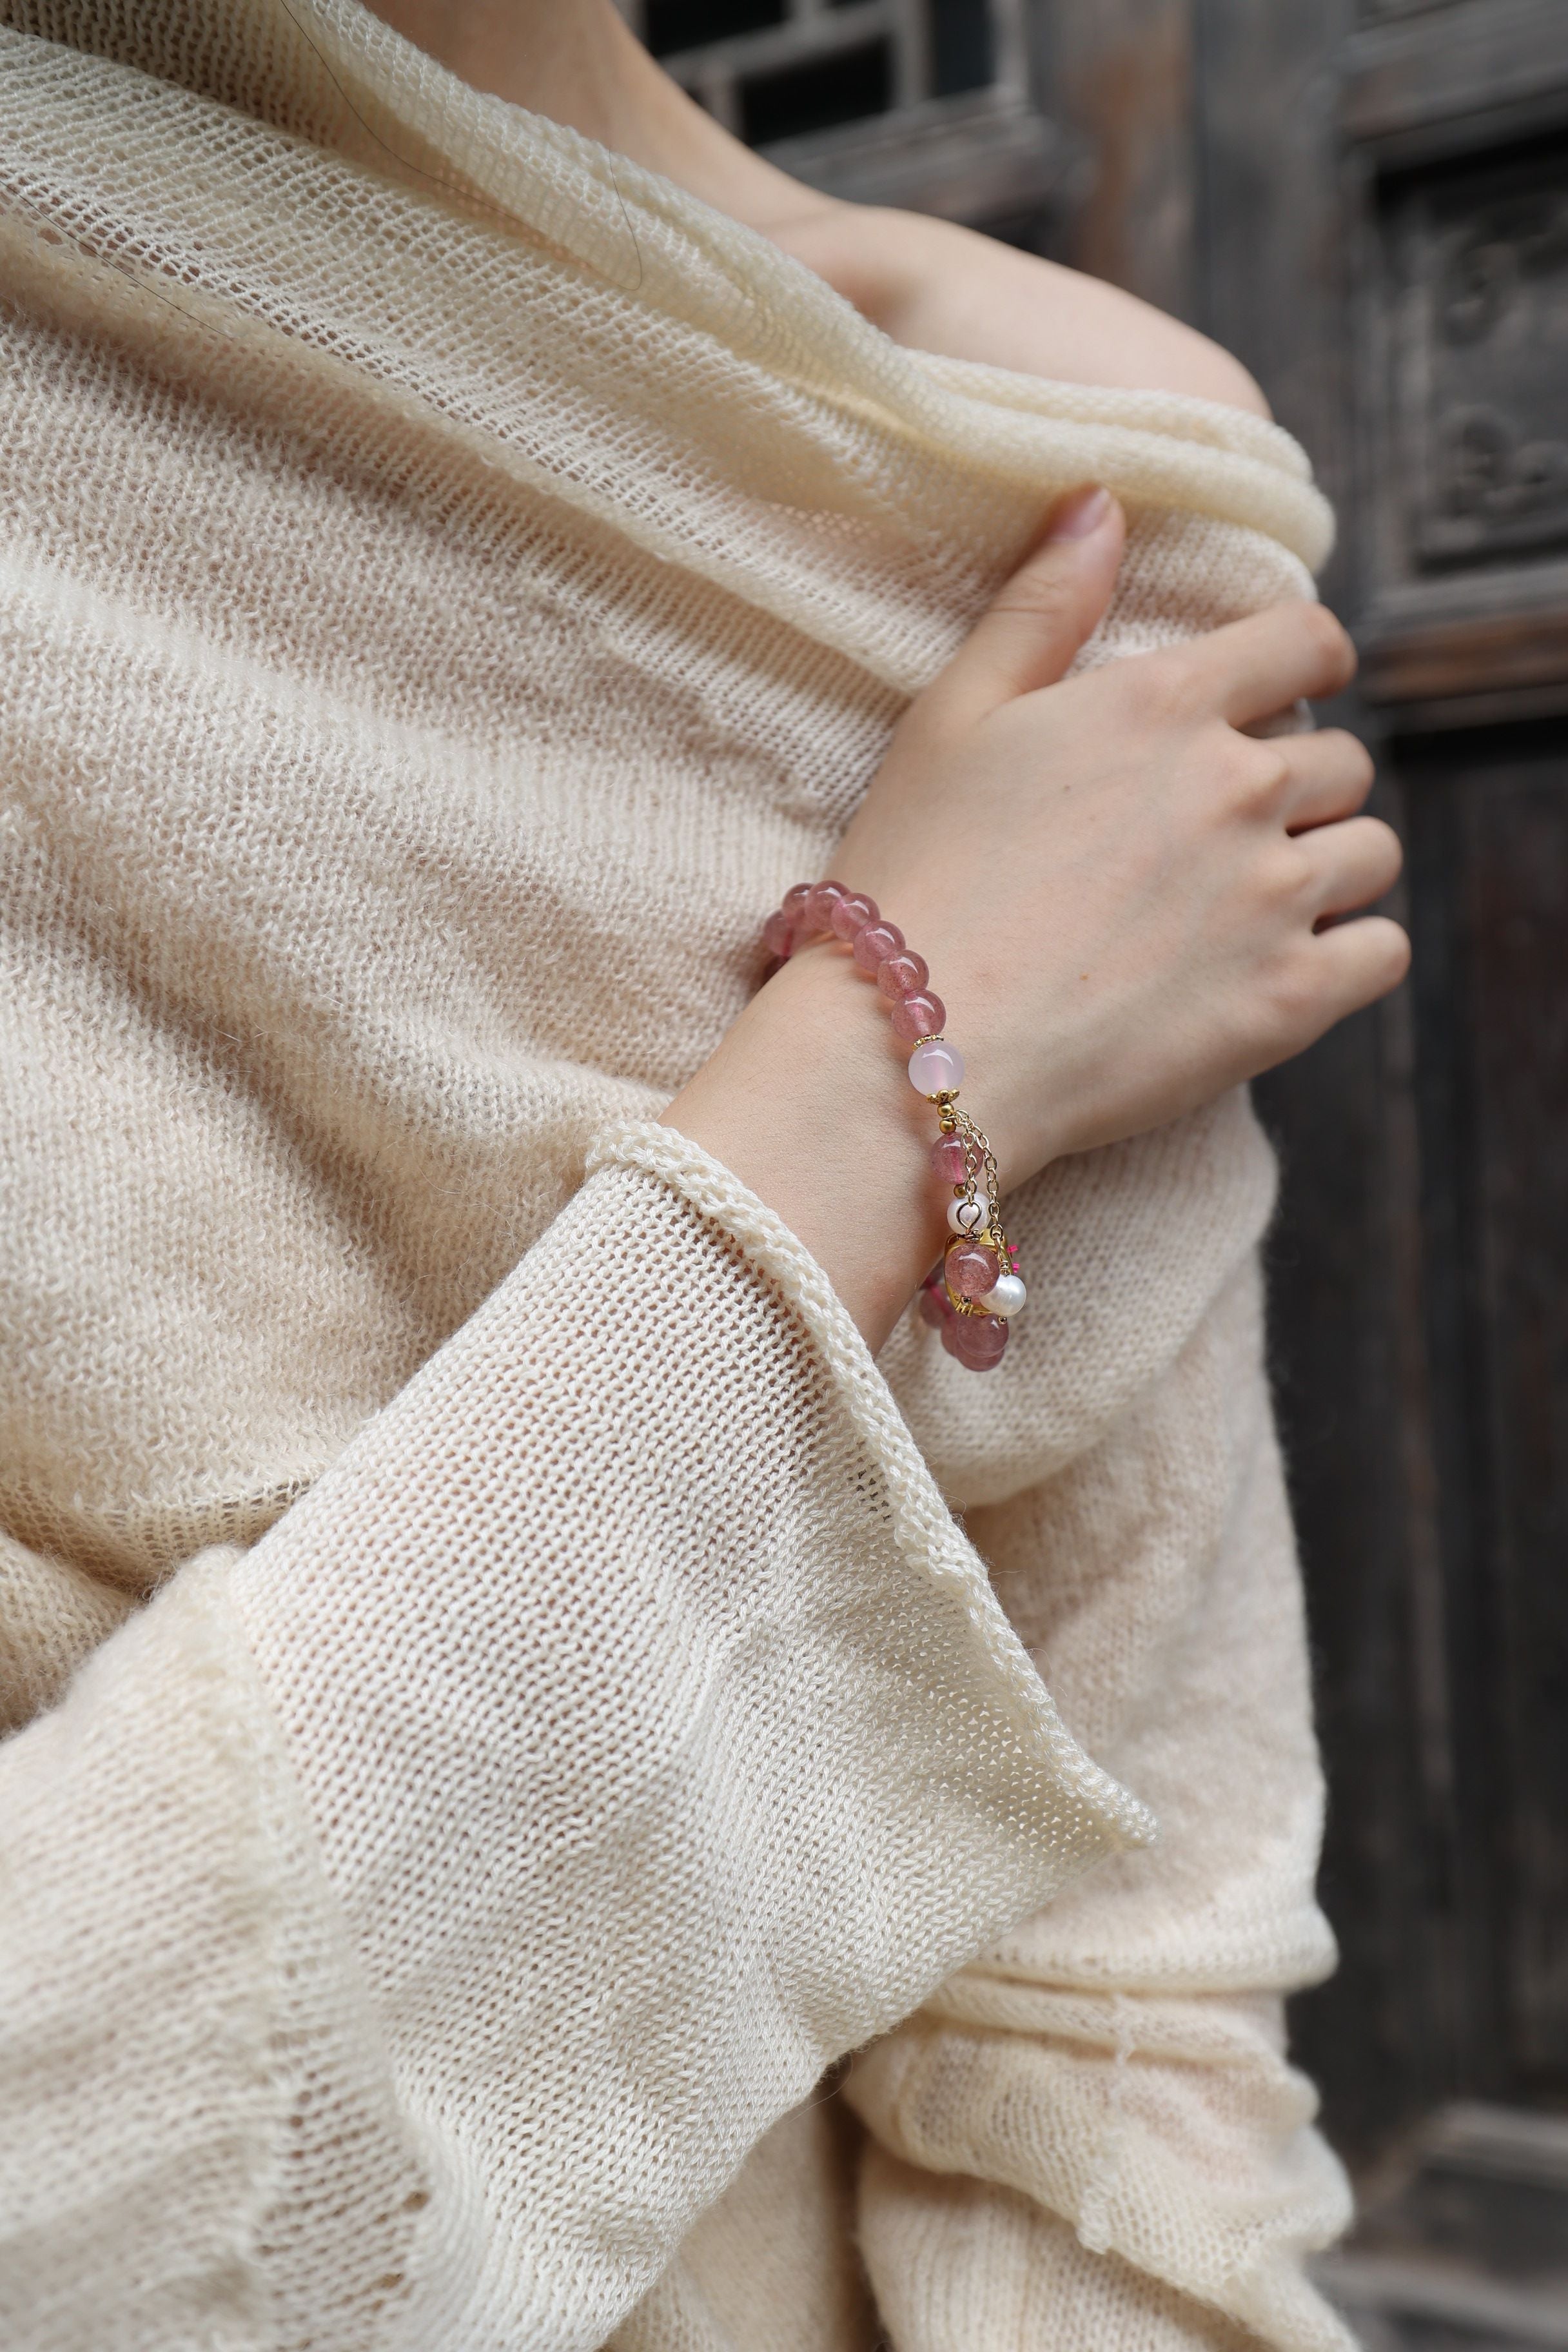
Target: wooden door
[{"x": 1380, "y": 229}]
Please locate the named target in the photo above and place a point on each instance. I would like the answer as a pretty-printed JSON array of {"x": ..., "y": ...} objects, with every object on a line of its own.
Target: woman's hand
[
  {"x": 1120, "y": 895},
  {"x": 1126, "y": 903}
]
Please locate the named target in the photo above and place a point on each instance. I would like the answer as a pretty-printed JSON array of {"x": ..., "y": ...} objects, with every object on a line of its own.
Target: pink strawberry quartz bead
[
  {"x": 936, "y": 1067},
  {"x": 778, "y": 934},
  {"x": 852, "y": 914},
  {"x": 973, "y": 1268},
  {"x": 920, "y": 1015},
  {"x": 979, "y": 1342},
  {"x": 949, "y": 1159},
  {"x": 902, "y": 974},
  {"x": 874, "y": 943},
  {"x": 820, "y": 901}
]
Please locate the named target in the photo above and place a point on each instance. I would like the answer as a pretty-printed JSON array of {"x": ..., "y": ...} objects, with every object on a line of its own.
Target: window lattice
[
  {"x": 922, "y": 102},
  {"x": 785, "y": 69}
]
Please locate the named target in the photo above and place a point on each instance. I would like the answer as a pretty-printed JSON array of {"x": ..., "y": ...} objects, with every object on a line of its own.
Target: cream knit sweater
[{"x": 499, "y": 1696}]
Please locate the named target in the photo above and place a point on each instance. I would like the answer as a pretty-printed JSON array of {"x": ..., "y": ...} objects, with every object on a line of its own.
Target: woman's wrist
[{"x": 808, "y": 1102}]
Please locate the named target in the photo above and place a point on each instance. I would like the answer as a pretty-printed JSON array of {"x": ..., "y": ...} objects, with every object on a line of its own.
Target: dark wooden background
[
  {"x": 1370, "y": 206},
  {"x": 1367, "y": 201}
]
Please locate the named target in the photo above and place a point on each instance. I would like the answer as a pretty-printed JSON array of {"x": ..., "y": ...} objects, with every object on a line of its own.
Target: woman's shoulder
[{"x": 939, "y": 288}]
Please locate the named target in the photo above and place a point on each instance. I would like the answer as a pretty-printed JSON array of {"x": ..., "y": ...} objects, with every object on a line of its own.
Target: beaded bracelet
[{"x": 975, "y": 1292}]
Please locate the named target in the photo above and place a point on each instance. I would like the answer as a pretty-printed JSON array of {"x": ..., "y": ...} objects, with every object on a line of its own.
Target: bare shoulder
[{"x": 939, "y": 288}]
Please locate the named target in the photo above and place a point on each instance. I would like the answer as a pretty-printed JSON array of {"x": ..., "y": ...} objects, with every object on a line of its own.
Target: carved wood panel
[{"x": 1478, "y": 262}]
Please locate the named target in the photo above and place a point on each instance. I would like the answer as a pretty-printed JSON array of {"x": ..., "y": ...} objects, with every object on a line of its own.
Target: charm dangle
[{"x": 976, "y": 1291}]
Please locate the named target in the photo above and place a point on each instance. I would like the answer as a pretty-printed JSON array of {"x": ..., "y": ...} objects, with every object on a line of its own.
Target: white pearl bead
[
  {"x": 936, "y": 1067},
  {"x": 1006, "y": 1296},
  {"x": 966, "y": 1216}
]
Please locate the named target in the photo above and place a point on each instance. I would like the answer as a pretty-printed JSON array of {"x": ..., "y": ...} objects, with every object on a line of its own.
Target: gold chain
[{"x": 979, "y": 1169}]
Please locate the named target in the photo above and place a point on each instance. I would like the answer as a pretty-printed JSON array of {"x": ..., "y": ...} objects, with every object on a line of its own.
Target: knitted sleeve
[
  {"x": 1090, "y": 2135},
  {"x": 410, "y": 1923}
]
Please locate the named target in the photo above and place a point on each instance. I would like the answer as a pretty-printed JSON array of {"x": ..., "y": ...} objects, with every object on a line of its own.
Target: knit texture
[{"x": 500, "y": 1699}]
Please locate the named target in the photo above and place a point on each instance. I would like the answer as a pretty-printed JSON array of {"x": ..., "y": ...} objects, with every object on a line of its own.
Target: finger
[
  {"x": 1031, "y": 631},
  {"x": 1352, "y": 862},
  {"x": 1359, "y": 962},
  {"x": 1254, "y": 669},
  {"x": 1329, "y": 776}
]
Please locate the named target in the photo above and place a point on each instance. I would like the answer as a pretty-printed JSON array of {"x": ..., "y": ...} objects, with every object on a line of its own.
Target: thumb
[{"x": 1029, "y": 634}]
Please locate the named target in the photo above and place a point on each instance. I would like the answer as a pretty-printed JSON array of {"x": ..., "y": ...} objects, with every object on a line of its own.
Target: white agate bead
[
  {"x": 967, "y": 1215},
  {"x": 1006, "y": 1296},
  {"x": 936, "y": 1067}
]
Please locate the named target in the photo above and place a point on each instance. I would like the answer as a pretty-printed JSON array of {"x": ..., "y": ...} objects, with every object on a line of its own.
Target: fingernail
[{"x": 1080, "y": 514}]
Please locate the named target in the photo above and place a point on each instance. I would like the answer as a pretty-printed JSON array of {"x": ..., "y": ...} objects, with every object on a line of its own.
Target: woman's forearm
[{"x": 806, "y": 1100}]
